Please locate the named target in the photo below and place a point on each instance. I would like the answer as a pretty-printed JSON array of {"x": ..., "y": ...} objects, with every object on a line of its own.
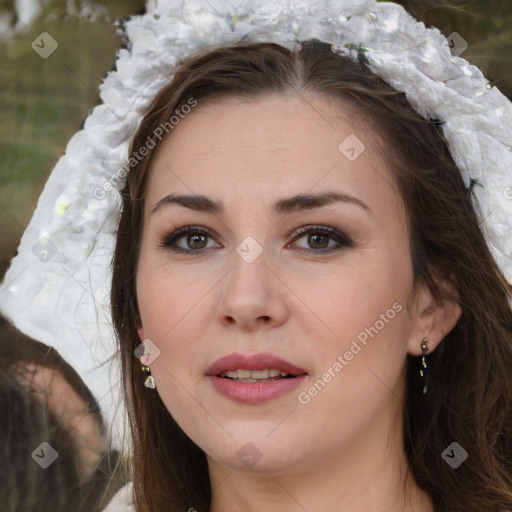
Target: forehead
[{"x": 270, "y": 145}]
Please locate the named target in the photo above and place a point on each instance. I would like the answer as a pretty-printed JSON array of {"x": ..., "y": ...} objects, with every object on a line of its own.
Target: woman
[
  {"x": 308, "y": 310},
  {"x": 289, "y": 254}
]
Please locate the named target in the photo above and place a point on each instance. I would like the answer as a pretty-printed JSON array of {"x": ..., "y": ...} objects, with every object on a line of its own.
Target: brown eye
[
  {"x": 322, "y": 239},
  {"x": 196, "y": 241},
  {"x": 189, "y": 239},
  {"x": 318, "y": 241}
]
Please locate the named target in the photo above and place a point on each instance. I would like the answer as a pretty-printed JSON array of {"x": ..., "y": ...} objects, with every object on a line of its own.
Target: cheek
[
  {"x": 353, "y": 297},
  {"x": 365, "y": 321},
  {"x": 174, "y": 307},
  {"x": 164, "y": 293},
  {"x": 359, "y": 364}
]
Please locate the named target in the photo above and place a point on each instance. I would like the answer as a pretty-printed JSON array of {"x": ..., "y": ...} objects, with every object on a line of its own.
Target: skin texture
[{"x": 343, "y": 450}]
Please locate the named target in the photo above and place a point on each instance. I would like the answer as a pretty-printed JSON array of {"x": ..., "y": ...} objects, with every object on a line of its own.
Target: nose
[{"x": 252, "y": 296}]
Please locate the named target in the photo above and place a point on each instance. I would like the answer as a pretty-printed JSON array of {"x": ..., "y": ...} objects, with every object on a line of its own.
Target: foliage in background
[{"x": 43, "y": 102}]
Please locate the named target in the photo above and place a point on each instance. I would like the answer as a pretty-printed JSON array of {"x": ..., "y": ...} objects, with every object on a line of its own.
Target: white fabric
[
  {"x": 122, "y": 501},
  {"x": 57, "y": 291}
]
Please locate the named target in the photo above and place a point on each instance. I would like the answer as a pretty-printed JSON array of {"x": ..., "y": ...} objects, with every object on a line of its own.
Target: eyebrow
[{"x": 288, "y": 205}]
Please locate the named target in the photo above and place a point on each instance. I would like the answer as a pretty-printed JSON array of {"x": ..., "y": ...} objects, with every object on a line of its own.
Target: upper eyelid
[
  {"x": 182, "y": 231},
  {"x": 345, "y": 240}
]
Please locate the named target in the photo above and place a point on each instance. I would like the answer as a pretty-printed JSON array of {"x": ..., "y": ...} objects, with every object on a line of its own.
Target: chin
[{"x": 255, "y": 453}]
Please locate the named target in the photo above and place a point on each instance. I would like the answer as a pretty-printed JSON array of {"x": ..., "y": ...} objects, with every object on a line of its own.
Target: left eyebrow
[
  {"x": 288, "y": 205},
  {"x": 310, "y": 201}
]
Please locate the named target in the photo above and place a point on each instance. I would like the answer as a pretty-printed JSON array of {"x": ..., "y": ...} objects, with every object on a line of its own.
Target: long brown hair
[{"x": 470, "y": 393}]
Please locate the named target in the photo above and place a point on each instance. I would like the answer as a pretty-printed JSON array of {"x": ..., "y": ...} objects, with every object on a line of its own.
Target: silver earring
[
  {"x": 423, "y": 370},
  {"x": 150, "y": 381}
]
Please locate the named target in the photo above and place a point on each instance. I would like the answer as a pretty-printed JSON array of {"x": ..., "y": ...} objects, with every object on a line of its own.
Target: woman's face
[{"x": 328, "y": 304}]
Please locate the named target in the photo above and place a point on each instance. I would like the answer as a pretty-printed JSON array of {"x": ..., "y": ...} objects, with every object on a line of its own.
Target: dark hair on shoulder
[
  {"x": 470, "y": 393},
  {"x": 27, "y": 420}
]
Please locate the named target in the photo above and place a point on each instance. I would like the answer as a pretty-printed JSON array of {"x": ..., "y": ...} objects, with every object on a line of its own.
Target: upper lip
[{"x": 260, "y": 361}]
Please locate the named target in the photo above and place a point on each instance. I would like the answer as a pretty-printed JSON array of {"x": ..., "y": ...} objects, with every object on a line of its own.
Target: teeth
[{"x": 253, "y": 375}]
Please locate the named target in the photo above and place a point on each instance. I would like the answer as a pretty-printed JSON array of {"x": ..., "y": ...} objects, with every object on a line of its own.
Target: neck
[
  {"x": 367, "y": 473},
  {"x": 318, "y": 489}
]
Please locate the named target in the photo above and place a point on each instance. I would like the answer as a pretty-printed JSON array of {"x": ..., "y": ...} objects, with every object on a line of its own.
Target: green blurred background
[{"x": 43, "y": 102}]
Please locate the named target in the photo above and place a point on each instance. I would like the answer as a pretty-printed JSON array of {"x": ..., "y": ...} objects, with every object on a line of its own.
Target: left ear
[{"x": 432, "y": 319}]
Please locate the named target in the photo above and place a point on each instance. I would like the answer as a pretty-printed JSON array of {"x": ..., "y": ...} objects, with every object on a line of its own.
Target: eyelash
[{"x": 169, "y": 242}]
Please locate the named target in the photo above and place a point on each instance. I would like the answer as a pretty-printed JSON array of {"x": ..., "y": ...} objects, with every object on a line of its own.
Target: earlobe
[
  {"x": 141, "y": 334},
  {"x": 433, "y": 320}
]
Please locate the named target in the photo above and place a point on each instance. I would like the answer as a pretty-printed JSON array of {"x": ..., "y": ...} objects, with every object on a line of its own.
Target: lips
[
  {"x": 254, "y": 391},
  {"x": 261, "y": 361}
]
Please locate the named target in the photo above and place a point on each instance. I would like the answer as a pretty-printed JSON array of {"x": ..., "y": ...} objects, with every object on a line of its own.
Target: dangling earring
[
  {"x": 150, "y": 381},
  {"x": 423, "y": 372}
]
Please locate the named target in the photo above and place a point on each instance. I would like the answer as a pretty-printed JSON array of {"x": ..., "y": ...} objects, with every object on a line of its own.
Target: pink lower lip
[{"x": 254, "y": 392}]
